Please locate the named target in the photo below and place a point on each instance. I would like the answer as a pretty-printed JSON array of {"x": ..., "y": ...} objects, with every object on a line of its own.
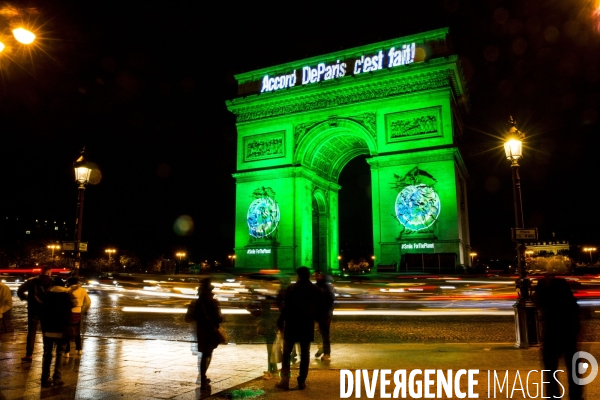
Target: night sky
[{"x": 144, "y": 89}]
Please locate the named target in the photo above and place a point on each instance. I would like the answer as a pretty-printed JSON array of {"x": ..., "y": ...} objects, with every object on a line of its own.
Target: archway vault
[{"x": 330, "y": 145}]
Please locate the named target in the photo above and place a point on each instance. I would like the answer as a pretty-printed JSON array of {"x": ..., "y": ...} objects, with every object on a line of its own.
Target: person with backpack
[{"x": 36, "y": 290}]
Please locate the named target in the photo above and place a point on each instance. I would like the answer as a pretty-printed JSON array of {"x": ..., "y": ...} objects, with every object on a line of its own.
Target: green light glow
[{"x": 295, "y": 139}]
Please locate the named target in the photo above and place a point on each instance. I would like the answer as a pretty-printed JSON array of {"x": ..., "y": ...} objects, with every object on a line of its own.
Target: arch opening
[{"x": 356, "y": 217}]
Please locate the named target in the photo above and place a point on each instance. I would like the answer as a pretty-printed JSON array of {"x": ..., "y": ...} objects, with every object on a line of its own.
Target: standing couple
[{"x": 58, "y": 310}]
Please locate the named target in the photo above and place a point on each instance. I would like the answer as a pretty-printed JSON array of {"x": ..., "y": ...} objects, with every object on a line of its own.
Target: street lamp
[
  {"x": 590, "y": 249},
  {"x": 83, "y": 170},
  {"x": 180, "y": 254},
  {"x": 526, "y": 318},
  {"x": 110, "y": 252},
  {"x": 53, "y": 247},
  {"x": 472, "y": 255},
  {"x": 231, "y": 259},
  {"x": 8, "y": 16}
]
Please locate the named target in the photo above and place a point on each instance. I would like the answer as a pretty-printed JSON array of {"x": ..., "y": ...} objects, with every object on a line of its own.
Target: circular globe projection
[
  {"x": 263, "y": 217},
  {"x": 417, "y": 207}
]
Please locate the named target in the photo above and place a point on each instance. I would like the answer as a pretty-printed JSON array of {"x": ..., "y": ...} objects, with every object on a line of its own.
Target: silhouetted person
[
  {"x": 267, "y": 328},
  {"x": 559, "y": 317},
  {"x": 302, "y": 305},
  {"x": 207, "y": 314},
  {"x": 35, "y": 288},
  {"x": 324, "y": 283},
  {"x": 55, "y": 317}
]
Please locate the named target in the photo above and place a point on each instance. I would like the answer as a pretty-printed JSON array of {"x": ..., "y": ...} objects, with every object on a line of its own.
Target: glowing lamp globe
[
  {"x": 23, "y": 35},
  {"x": 82, "y": 170},
  {"x": 513, "y": 149}
]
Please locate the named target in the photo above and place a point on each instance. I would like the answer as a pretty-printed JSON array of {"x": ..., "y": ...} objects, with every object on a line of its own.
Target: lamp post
[
  {"x": 231, "y": 260},
  {"x": 590, "y": 249},
  {"x": 110, "y": 252},
  {"x": 472, "y": 255},
  {"x": 526, "y": 318},
  {"x": 53, "y": 247},
  {"x": 83, "y": 170},
  {"x": 180, "y": 254}
]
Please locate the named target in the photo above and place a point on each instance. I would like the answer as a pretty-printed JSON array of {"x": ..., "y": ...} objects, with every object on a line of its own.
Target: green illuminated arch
[{"x": 398, "y": 102}]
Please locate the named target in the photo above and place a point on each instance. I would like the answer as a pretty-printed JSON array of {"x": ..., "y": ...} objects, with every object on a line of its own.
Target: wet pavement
[
  {"x": 108, "y": 317},
  {"x": 155, "y": 369}
]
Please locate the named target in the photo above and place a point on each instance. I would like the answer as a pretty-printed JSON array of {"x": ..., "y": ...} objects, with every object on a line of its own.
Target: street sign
[
  {"x": 525, "y": 234},
  {"x": 70, "y": 246}
]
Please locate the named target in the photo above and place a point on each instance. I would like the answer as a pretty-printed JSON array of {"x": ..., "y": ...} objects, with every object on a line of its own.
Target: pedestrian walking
[
  {"x": 55, "y": 316},
  {"x": 324, "y": 283},
  {"x": 6, "y": 303},
  {"x": 206, "y": 313},
  {"x": 81, "y": 303},
  {"x": 35, "y": 289},
  {"x": 302, "y": 306},
  {"x": 559, "y": 317}
]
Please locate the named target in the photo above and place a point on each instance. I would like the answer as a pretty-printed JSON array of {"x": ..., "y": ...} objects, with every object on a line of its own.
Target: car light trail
[
  {"x": 159, "y": 310},
  {"x": 420, "y": 313},
  {"x": 423, "y": 312}
]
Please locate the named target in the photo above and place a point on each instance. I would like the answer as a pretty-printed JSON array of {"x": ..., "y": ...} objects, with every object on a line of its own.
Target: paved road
[{"x": 107, "y": 318}]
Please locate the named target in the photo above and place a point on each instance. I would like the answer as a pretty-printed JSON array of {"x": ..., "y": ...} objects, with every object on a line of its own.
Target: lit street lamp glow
[
  {"x": 590, "y": 249},
  {"x": 53, "y": 247},
  {"x": 23, "y": 36},
  {"x": 110, "y": 252},
  {"x": 472, "y": 255},
  {"x": 83, "y": 170},
  {"x": 524, "y": 309}
]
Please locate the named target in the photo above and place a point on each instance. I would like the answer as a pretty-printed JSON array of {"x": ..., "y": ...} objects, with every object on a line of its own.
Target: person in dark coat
[
  {"x": 55, "y": 317},
  {"x": 207, "y": 314},
  {"x": 302, "y": 306},
  {"x": 324, "y": 283},
  {"x": 35, "y": 289},
  {"x": 559, "y": 317}
]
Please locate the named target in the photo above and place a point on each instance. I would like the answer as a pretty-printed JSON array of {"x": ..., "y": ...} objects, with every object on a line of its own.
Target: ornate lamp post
[
  {"x": 526, "y": 320},
  {"x": 83, "y": 170}
]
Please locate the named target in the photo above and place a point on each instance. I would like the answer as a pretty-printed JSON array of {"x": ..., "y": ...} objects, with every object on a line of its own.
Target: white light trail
[{"x": 159, "y": 310}]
